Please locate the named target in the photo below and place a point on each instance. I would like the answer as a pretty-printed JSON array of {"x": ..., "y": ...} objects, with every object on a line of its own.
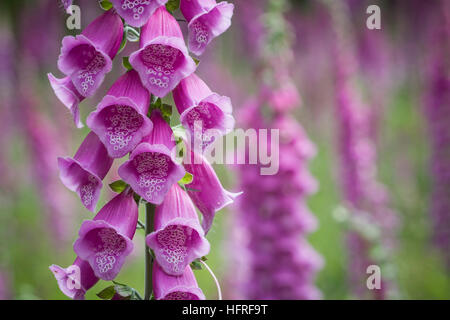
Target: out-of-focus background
[{"x": 39, "y": 217}]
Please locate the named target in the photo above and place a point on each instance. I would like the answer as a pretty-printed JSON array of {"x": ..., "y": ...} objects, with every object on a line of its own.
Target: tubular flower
[
  {"x": 207, "y": 192},
  {"x": 207, "y": 20},
  {"x": 87, "y": 57},
  {"x": 68, "y": 95},
  {"x": 202, "y": 110},
  {"x": 76, "y": 279},
  {"x": 120, "y": 120},
  {"x": 105, "y": 241},
  {"x": 84, "y": 172},
  {"x": 163, "y": 59},
  {"x": 179, "y": 238},
  {"x": 151, "y": 171},
  {"x": 183, "y": 287},
  {"x": 136, "y": 13}
]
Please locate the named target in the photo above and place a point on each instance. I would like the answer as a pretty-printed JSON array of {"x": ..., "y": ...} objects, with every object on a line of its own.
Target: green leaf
[
  {"x": 123, "y": 290},
  {"x": 126, "y": 63},
  {"x": 106, "y": 5},
  {"x": 107, "y": 293},
  {"x": 197, "y": 61},
  {"x": 172, "y": 5},
  {"x": 123, "y": 43},
  {"x": 118, "y": 186},
  {"x": 196, "y": 265},
  {"x": 187, "y": 178}
]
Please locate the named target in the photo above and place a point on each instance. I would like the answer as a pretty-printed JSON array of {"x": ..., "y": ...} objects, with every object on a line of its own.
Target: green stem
[{"x": 149, "y": 217}]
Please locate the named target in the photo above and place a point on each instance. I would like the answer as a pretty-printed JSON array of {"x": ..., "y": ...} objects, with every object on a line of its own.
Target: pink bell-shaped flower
[{"x": 163, "y": 59}]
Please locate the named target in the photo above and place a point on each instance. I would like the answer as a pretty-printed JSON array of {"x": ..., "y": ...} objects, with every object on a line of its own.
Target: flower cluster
[
  {"x": 132, "y": 120},
  {"x": 273, "y": 217}
]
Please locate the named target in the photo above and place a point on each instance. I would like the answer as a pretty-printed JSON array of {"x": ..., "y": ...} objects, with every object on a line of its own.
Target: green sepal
[
  {"x": 107, "y": 293},
  {"x": 172, "y": 5},
  {"x": 196, "y": 265},
  {"x": 188, "y": 177},
  {"x": 126, "y": 63},
  {"x": 118, "y": 186},
  {"x": 105, "y": 5}
]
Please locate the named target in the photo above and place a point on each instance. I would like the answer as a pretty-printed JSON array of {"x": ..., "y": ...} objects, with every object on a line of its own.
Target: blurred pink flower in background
[{"x": 437, "y": 110}]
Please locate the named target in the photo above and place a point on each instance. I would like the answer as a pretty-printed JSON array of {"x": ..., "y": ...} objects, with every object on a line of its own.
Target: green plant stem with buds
[{"x": 149, "y": 226}]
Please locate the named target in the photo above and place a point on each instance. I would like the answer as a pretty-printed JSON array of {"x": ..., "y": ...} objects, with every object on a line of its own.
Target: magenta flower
[
  {"x": 207, "y": 20},
  {"x": 184, "y": 287},
  {"x": 105, "y": 241},
  {"x": 202, "y": 110},
  {"x": 163, "y": 59},
  {"x": 151, "y": 171},
  {"x": 136, "y": 13},
  {"x": 120, "y": 120},
  {"x": 84, "y": 172},
  {"x": 206, "y": 191},
  {"x": 179, "y": 238},
  {"x": 87, "y": 57},
  {"x": 68, "y": 95},
  {"x": 76, "y": 279}
]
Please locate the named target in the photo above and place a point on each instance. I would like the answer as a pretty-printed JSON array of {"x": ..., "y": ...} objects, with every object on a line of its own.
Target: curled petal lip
[
  {"x": 64, "y": 163},
  {"x": 68, "y": 97},
  {"x": 144, "y": 147},
  {"x": 109, "y": 101},
  {"x": 148, "y": 11},
  {"x": 182, "y": 72},
  {"x": 194, "y": 290},
  {"x": 85, "y": 254},
  {"x": 219, "y": 26},
  {"x": 201, "y": 249},
  {"x": 62, "y": 275},
  {"x": 69, "y": 43},
  {"x": 223, "y": 103}
]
